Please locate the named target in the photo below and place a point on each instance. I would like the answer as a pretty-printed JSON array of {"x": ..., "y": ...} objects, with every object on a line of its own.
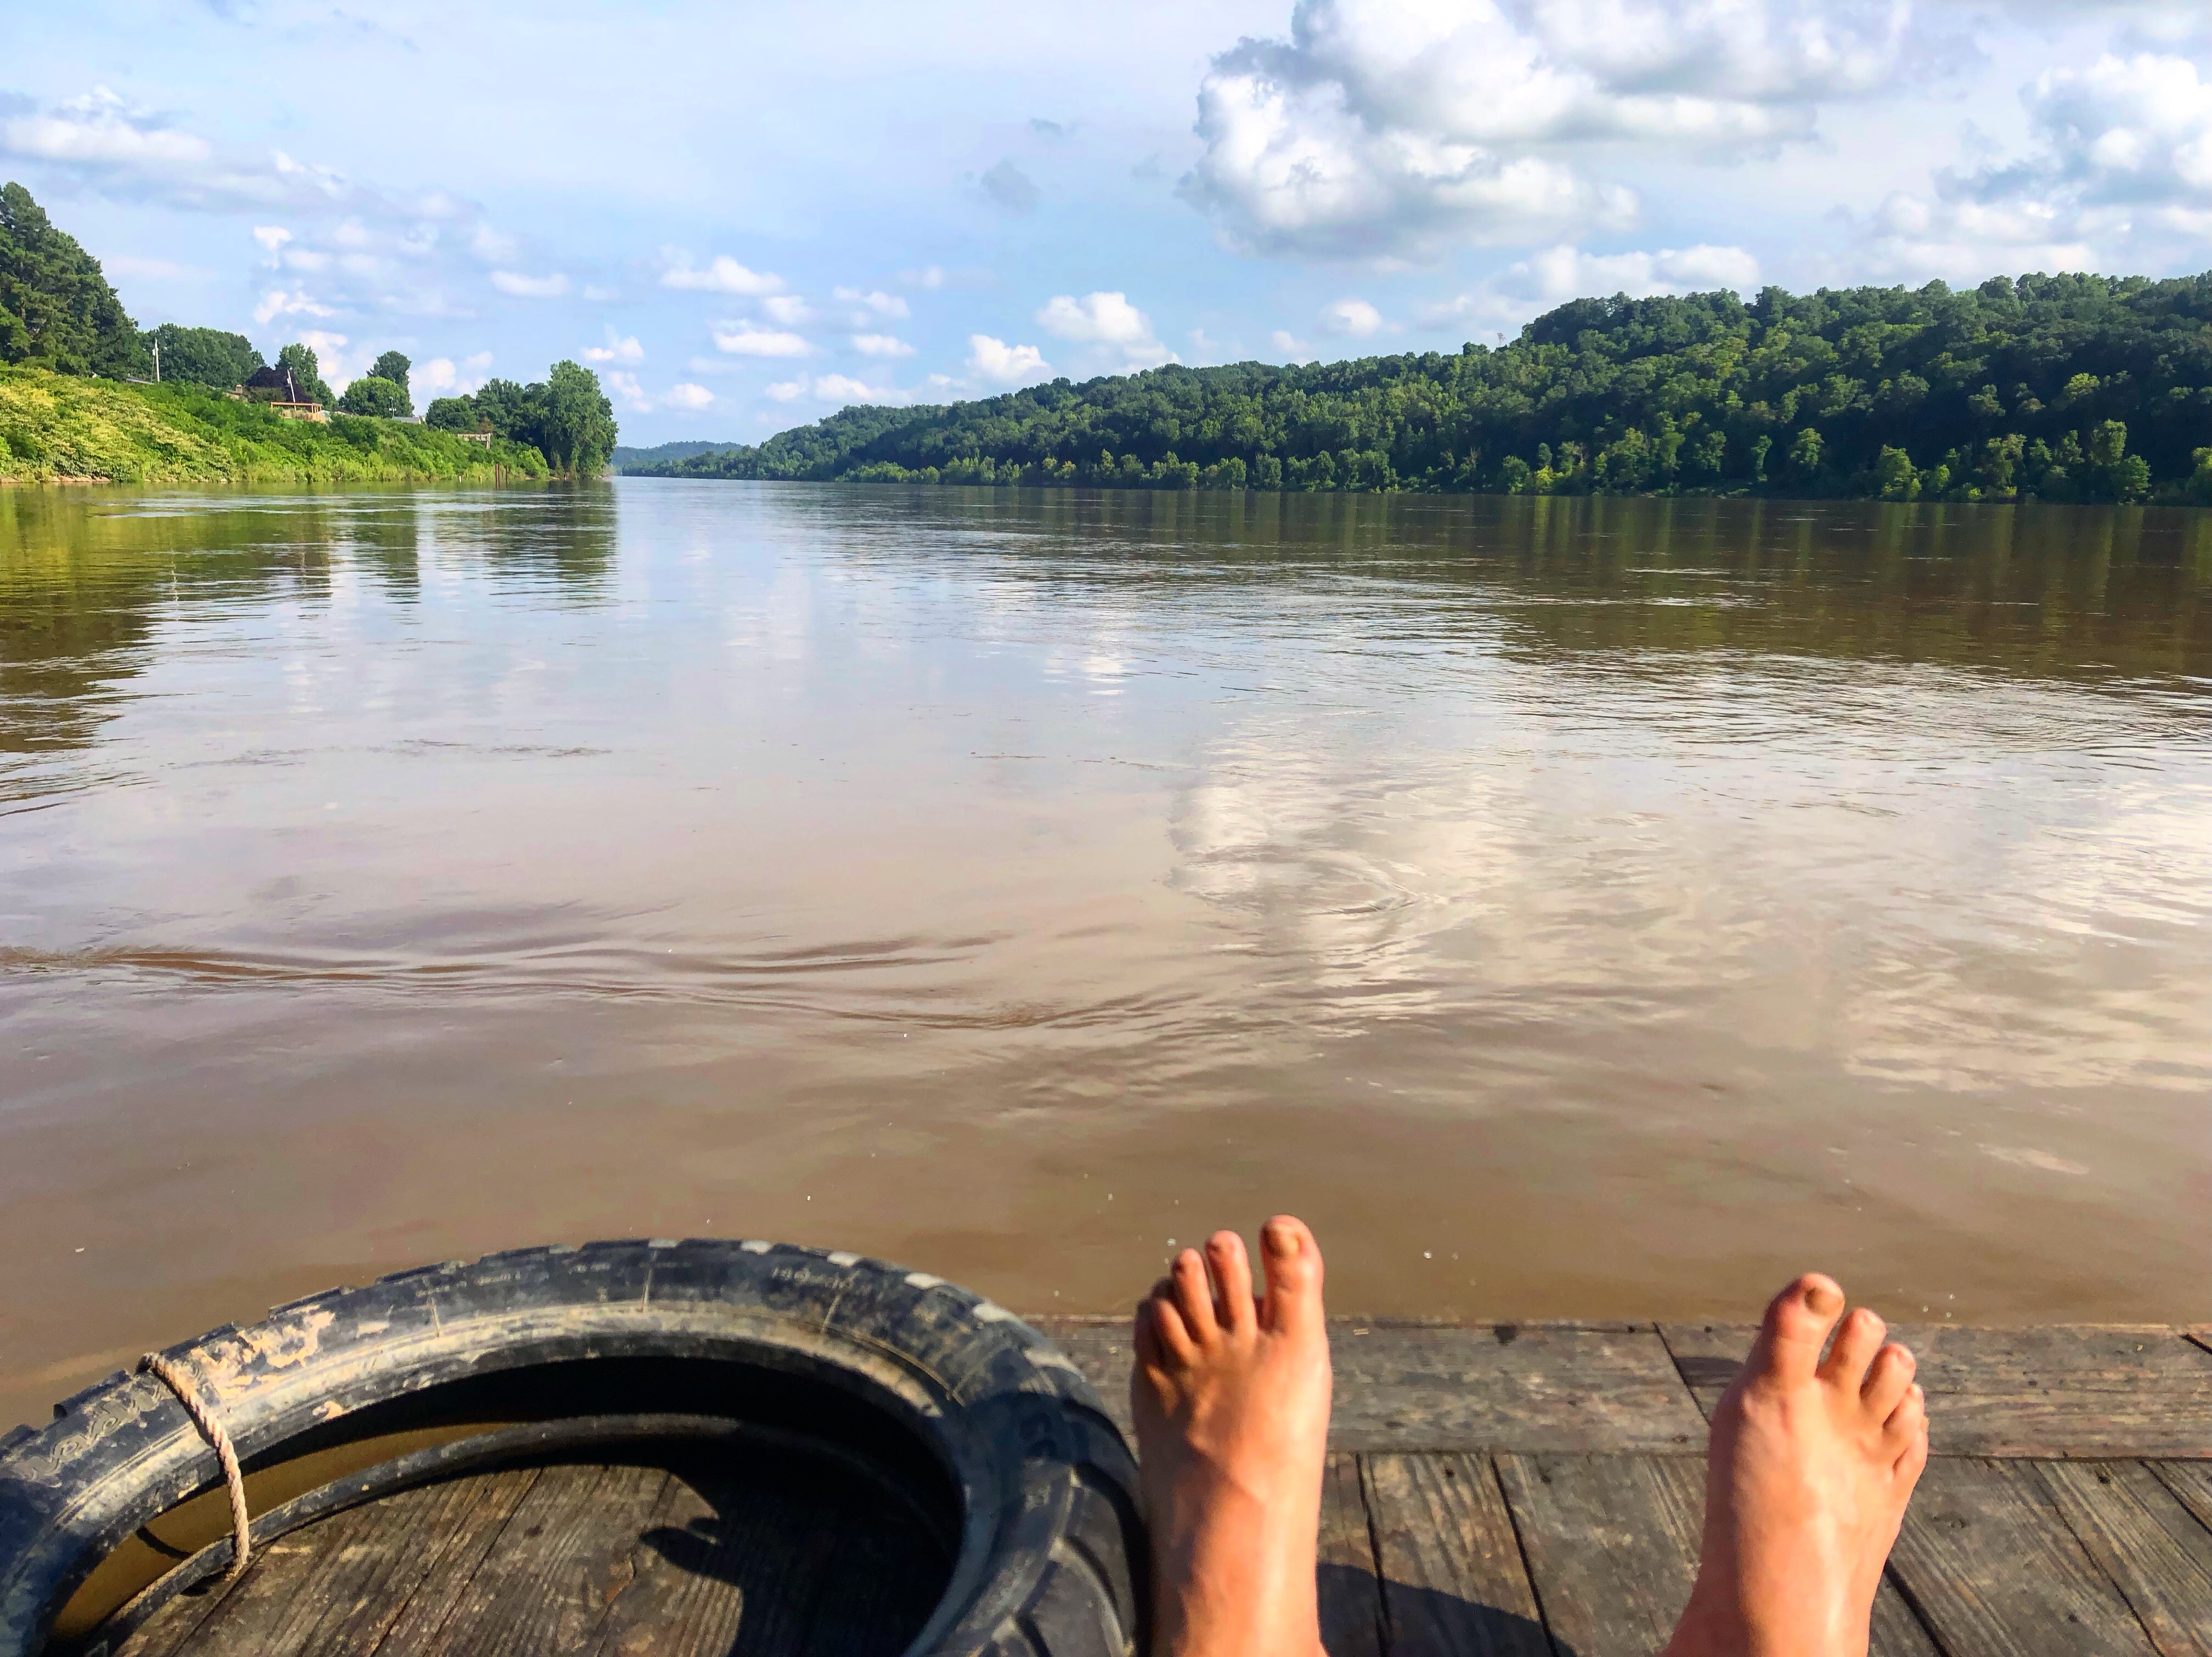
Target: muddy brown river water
[{"x": 1572, "y": 908}]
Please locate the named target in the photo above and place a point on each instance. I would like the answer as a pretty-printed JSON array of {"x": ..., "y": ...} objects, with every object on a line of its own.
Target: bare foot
[
  {"x": 1231, "y": 1401},
  {"x": 1810, "y": 1467}
]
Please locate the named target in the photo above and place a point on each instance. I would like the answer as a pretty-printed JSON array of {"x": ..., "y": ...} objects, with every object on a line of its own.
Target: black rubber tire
[{"x": 1050, "y": 1556}]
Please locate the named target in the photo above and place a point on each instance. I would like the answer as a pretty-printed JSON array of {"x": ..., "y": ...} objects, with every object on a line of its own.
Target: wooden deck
[{"x": 1529, "y": 1490}]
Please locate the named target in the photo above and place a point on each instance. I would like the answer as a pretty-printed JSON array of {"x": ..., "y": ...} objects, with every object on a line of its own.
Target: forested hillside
[
  {"x": 2066, "y": 388},
  {"x": 55, "y": 308},
  {"x": 624, "y": 458}
]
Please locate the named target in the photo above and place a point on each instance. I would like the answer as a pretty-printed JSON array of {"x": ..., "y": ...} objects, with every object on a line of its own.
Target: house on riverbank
[{"x": 274, "y": 387}]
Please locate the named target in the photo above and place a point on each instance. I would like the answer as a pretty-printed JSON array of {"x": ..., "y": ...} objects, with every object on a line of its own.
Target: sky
[{"x": 744, "y": 216}]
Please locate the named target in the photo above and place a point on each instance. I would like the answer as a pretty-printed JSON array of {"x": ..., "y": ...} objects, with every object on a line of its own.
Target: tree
[
  {"x": 2126, "y": 476},
  {"x": 566, "y": 417},
  {"x": 507, "y": 408},
  {"x": 372, "y": 394},
  {"x": 394, "y": 366},
  {"x": 203, "y": 356},
  {"x": 307, "y": 373},
  {"x": 454, "y": 414},
  {"x": 57, "y": 311},
  {"x": 574, "y": 423}
]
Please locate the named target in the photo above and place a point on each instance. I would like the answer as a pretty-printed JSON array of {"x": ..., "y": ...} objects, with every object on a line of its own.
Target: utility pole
[{"x": 157, "y": 362}]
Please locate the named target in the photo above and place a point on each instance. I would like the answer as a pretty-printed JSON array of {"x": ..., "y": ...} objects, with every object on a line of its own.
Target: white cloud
[
  {"x": 929, "y": 275},
  {"x": 1002, "y": 364},
  {"x": 882, "y": 304},
  {"x": 514, "y": 282},
  {"x": 840, "y": 389},
  {"x": 633, "y": 398},
  {"x": 625, "y": 350},
  {"x": 1555, "y": 274},
  {"x": 493, "y": 246},
  {"x": 2121, "y": 174},
  {"x": 788, "y": 309},
  {"x": 104, "y": 144},
  {"x": 347, "y": 247},
  {"x": 1101, "y": 318},
  {"x": 1353, "y": 317},
  {"x": 442, "y": 377},
  {"x": 1391, "y": 127},
  {"x": 1107, "y": 320},
  {"x": 743, "y": 339},
  {"x": 1293, "y": 350},
  {"x": 721, "y": 274},
  {"x": 280, "y": 302},
  {"x": 599, "y": 295},
  {"x": 337, "y": 366},
  {"x": 881, "y": 345}
]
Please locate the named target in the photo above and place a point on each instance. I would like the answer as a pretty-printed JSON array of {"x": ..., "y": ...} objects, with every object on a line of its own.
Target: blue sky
[{"x": 745, "y": 215}]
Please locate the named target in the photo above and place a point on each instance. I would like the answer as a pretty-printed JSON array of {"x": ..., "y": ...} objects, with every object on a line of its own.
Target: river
[{"x": 1574, "y": 908}]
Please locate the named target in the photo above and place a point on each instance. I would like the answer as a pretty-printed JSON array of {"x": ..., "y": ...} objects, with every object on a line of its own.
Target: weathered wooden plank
[
  {"x": 2095, "y": 1390},
  {"x": 622, "y": 1561},
  {"x": 172, "y": 1628},
  {"x": 2150, "y": 1546},
  {"x": 1453, "y": 1582},
  {"x": 1531, "y": 1389},
  {"x": 1612, "y": 1544},
  {"x": 1526, "y": 1387},
  {"x": 1612, "y": 1547},
  {"x": 685, "y": 1593},
  {"x": 339, "y": 1585},
  {"x": 1350, "y": 1599},
  {"x": 545, "y": 1583},
  {"x": 1997, "y": 1573},
  {"x": 2190, "y": 1482}
]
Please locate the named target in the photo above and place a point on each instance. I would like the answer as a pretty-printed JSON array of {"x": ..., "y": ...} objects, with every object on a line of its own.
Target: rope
[{"x": 174, "y": 1378}]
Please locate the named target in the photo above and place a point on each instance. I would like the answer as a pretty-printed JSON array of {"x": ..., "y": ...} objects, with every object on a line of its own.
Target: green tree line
[
  {"x": 2069, "y": 387},
  {"x": 59, "y": 314},
  {"x": 566, "y": 417}
]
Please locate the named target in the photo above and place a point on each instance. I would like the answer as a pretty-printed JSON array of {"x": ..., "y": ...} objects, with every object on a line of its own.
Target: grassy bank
[{"x": 56, "y": 427}]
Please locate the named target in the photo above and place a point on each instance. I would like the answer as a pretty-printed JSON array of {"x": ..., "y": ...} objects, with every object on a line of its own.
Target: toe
[
  {"x": 1294, "y": 1274},
  {"x": 1907, "y": 1430},
  {"x": 1232, "y": 1281},
  {"x": 1888, "y": 1378},
  {"x": 1857, "y": 1341},
  {"x": 1194, "y": 1295},
  {"x": 1798, "y": 1321},
  {"x": 1161, "y": 1337},
  {"x": 1906, "y": 1424}
]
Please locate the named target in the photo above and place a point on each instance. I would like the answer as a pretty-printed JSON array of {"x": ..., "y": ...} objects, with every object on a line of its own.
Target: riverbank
[{"x": 57, "y": 428}]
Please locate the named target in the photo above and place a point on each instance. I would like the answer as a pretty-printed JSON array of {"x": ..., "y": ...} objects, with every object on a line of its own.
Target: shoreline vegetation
[
  {"x": 60, "y": 428},
  {"x": 85, "y": 396},
  {"x": 2065, "y": 388}
]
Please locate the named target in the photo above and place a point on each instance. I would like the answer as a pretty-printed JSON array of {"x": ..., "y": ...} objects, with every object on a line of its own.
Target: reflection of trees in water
[
  {"x": 86, "y": 579},
  {"x": 2058, "y": 590}
]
